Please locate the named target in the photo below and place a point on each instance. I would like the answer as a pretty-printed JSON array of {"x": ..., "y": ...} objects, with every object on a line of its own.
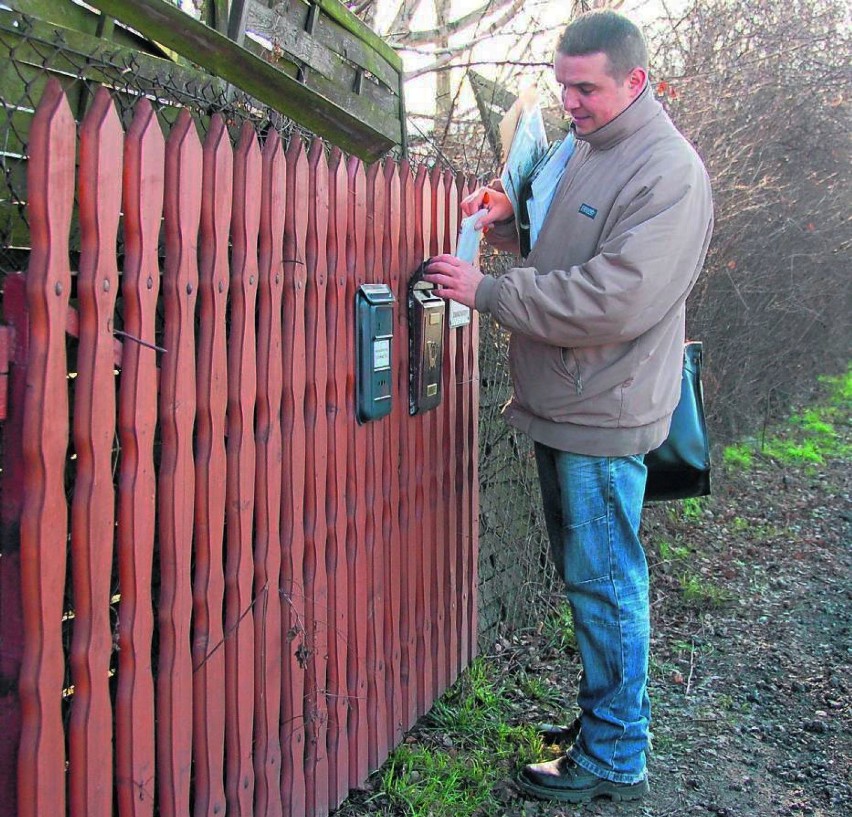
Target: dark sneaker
[{"x": 562, "y": 779}]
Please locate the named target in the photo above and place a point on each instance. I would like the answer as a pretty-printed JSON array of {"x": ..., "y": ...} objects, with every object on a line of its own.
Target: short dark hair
[{"x": 608, "y": 32}]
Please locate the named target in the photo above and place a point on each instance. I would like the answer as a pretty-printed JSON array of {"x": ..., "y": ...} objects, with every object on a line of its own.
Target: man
[{"x": 597, "y": 319}]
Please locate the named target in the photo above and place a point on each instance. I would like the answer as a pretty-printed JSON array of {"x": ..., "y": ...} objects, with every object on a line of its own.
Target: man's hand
[
  {"x": 496, "y": 202},
  {"x": 454, "y": 279}
]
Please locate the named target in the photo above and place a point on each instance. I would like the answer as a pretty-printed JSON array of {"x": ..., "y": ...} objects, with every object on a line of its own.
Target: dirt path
[{"x": 751, "y": 654}]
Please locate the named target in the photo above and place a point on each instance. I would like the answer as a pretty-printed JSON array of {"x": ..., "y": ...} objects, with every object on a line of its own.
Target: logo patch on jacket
[{"x": 588, "y": 210}]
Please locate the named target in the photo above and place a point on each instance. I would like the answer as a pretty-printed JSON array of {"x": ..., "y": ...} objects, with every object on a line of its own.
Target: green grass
[
  {"x": 670, "y": 552},
  {"x": 693, "y": 508},
  {"x": 812, "y": 436},
  {"x": 558, "y": 630},
  {"x": 423, "y": 782},
  {"x": 738, "y": 456},
  {"x": 537, "y": 689},
  {"x": 702, "y": 593},
  {"x": 475, "y": 744}
]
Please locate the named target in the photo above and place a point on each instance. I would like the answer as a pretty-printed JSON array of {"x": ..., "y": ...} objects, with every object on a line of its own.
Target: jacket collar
[{"x": 638, "y": 114}]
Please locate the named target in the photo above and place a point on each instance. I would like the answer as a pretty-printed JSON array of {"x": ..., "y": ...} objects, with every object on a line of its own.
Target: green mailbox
[{"x": 374, "y": 350}]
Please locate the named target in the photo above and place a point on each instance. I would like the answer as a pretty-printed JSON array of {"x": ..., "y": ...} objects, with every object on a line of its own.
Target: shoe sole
[{"x": 617, "y": 792}]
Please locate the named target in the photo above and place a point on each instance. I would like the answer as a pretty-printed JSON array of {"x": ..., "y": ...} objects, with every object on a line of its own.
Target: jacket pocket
[{"x": 544, "y": 378}]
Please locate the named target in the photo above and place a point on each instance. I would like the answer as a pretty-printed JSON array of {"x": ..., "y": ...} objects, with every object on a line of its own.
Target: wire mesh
[
  {"x": 516, "y": 580},
  {"x": 36, "y": 51}
]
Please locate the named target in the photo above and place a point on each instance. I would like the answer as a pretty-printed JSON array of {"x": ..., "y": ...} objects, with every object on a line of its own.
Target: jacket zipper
[{"x": 578, "y": 381}]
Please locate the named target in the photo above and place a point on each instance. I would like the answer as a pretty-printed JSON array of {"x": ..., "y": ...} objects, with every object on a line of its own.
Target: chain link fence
[
  {"x": 517, "y": 581},
  {"x": 35, "y": 51},
  {"x": 515, "y": 576}
]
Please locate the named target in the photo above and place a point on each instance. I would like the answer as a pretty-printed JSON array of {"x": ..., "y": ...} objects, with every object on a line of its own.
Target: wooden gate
[{"x": 232, "y": 596}]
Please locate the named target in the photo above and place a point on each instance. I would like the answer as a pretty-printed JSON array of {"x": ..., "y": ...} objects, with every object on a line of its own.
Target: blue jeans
[{"x": 592, "y": 507}]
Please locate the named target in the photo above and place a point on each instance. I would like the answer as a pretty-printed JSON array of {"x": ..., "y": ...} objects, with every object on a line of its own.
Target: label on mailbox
[
  {"x": 382, "y": 354},
  {"x": 459, "y": 315}
]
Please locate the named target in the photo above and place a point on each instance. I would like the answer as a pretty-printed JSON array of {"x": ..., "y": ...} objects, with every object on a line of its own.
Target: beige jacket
[{"x": 597, "y": 316}]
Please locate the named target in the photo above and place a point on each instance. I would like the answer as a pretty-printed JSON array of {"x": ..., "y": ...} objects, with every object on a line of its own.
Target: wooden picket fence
[{"x": 253, "y": 596}]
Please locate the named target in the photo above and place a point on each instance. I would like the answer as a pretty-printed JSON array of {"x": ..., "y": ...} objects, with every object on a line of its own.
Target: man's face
[{"x": 590, "y": 94}]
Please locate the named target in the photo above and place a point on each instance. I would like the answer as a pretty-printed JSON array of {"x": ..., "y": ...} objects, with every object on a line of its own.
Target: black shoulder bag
[{"x": 680, "y": 467}]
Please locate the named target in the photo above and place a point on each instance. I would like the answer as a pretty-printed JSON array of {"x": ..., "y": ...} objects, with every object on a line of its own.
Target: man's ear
[{"x": 636, "y": 81}]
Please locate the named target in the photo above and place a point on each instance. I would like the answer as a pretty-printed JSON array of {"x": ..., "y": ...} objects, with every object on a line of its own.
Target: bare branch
[{"x": 435, "y": 35}]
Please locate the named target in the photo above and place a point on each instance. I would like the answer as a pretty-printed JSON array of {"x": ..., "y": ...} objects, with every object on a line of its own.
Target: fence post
[
  {"x": 44, "y": 522},
  {"x": 239, "y": 568},
  {"x": 267, "y": 548},
  {"x": 137, "y": 420},
  {"x": 176, "y": 496},
  {"x": 208, "y": 653},
  {"x": 11, "y": 503},
  {"x": 293, "y": 487},
  {"x": 337, "y": 308},
  {"x": 93, "y": 507}
]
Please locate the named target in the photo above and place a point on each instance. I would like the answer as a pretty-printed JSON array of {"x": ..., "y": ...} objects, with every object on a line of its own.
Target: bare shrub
[{"x": 762, "y": 88}]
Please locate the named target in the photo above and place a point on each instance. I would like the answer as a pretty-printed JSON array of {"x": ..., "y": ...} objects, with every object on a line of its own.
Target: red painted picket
[
  {"x": 44, "y": 518},
  {"x": 92, "y": 510},
  {"x": 136, "y": 492},
  {"x": 313, "y": 577},
  {"x": 267, "y": 558},
  {"x": 208, "y": 587}
]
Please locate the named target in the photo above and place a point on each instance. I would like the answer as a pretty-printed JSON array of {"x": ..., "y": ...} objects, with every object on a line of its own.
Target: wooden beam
[
  {"x": 217, "y": 15},
  {"x": 237, "y": 20},
  {"x": 173, "y": 28}
]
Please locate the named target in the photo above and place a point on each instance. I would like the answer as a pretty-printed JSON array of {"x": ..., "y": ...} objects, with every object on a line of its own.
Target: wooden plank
[
  {"x": 376, "y": 703},
  {"x": 293, "y": 476},
  {"x": 74, "y": 16},
  {"x": 463, "y": 471},
  {"x": 268, "y": 441},
  {"x": 356, "y": 479},
  {"x": 451, "y": 489},
  {"x": 472, "y": 585},
  {"x": 167, "y": 24},
  {"x": 208, "y": 588},
  {"x": 337, "y": 309},
  {"x": 11, "y": 504},
  {"x": 406, "y": 430},
  {"x": 236, "y": 19},
  {"x": 424, "y": 543},
  {"x": 177, "y": 474},
  {"x": 436, "y": 508},
  {"x": 325, "y": 73},
  {"x": 44, "y": 520},
  {"x": 242, "y": 390},
  {"x": 328, "y": 48},
  {"x": 391, "y": 460},
  {"x": 91, "y": 57},
  {"x": 137, "y": 418},
  {"x": 316, "y": 463},
  {"x": 92, "y": 508},
  {"x": 338, "y": 12}
]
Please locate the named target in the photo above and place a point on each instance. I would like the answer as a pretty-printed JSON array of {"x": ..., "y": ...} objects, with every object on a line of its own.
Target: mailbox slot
[
  {"x": 426, "y": 344},
  {"x": 374, "y": 351}
]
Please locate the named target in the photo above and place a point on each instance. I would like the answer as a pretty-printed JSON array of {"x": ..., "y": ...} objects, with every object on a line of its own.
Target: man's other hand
[
  {"x": 454, "y": 279},
  {"x": 488, "y": 198}
]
